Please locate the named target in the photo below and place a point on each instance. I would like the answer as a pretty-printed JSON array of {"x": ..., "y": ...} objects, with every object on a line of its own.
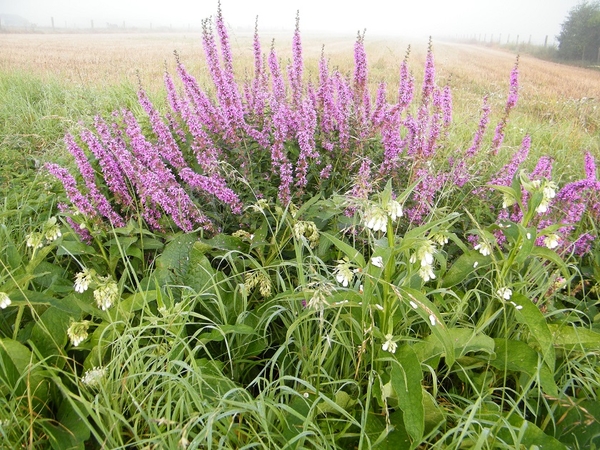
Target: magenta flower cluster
[{"x": 289, "y": 137}]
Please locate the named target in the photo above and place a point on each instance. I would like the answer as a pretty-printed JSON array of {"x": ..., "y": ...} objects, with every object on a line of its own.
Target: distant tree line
[{"x": 579, "y": 38}]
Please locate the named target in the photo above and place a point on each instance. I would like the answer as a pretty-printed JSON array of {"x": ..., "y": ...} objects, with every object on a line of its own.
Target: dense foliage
[
  {"x": 296, "y": 263},
  {"x": 579, "y": 38}
]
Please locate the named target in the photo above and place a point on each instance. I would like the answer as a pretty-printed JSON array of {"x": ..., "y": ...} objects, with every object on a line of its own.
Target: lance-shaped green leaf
[
  {"x": 406, "y": 378},
  {"x": 529, "y": 314},
  {"x": 463, "y": 267},
  {"x": 517, "y": 356},
  {"x": 431, "y": 315},
  {"x": 353, "y": 255}
]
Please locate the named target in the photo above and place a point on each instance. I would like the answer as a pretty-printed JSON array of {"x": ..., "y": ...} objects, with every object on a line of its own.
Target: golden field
[
  {"x": 111, "y": 58},
  {"x": 559, "y": 104}
]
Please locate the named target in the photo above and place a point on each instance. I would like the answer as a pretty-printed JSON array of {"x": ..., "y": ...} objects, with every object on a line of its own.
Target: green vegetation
[{"x": 579, "y": 38}]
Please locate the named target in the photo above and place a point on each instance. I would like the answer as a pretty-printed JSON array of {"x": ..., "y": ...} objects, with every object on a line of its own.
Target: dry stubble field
[{"x": 559, "y": 104}]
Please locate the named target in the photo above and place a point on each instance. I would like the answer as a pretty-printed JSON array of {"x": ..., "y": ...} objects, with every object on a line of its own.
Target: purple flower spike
[
  {"x": 511, "y": 101},
  {"x": 483, "y": 123},
  {"x": 297, "y": 66},
  {"x": 429, "y": 77}
]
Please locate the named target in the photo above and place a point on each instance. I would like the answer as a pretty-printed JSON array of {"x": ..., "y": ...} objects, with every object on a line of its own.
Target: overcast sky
[{"x": 537, "y": 18}]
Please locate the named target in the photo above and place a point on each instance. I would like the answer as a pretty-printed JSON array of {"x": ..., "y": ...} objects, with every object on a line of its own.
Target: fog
[{"x": 497, "y": 19}]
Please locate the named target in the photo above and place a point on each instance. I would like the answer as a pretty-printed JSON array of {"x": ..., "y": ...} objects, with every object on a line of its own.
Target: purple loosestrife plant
[
  {"x": 406, "y": 87},
  {"x": 94, "y": 195},
  {"x": 306, "y": 141},
  {"x": 483, "y": 123},
  {"x": 297, "y": 68},
  {"x": 511, "y": 101},
  {"x": 362, "y": 186},
  {"x": 429, "y": 77},
  {"x": 77, "y": 198},
  {"x": 285, "y": 136},
  {"x": 115, "y": 178}
]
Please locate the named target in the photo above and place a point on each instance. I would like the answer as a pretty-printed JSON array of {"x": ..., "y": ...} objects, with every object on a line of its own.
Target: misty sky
[{"x": 537, "y": 18}]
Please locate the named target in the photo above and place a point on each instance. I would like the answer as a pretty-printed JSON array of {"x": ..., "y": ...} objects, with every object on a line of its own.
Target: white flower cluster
[
  {"x": 343, "y": 272},
  {"x": 505, "y": 294},
  {"x": 35, "y": 240},
  {"x": 375, "y": 218},
  {"x": 107, "y": 293},
  {"x": 551, "y": 241},
  {"x": 377, "y": 261},
  {"x": 50, "y": 232},
  {"x": 549, "y": 192},
  {"x": 389, "y": 345},
  {"x": 484, "y": 247},
  {"x": 78, "y": 332},
  {"x": 83, "y": 280},
  {"x": 508, "y": 200},
  {"x": 94, "y": 376},
  {"x": 4, "y": 300},
  {"x": 424, "y": 254}
]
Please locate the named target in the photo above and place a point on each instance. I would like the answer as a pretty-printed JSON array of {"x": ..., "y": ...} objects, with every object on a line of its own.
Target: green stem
[
  {"x": 18, "y": 321},
  {"x": 388, "y": 272}
]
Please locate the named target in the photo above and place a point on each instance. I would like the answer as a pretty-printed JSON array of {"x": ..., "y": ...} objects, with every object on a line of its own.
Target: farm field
[{"x": 325, "y": 243}]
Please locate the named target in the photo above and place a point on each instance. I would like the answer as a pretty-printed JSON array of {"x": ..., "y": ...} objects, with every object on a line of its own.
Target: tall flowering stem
[
  {"x": 511, "y": 101},
  {"x": 297, "y": 67},
  {"x": 483, "y": 123}
]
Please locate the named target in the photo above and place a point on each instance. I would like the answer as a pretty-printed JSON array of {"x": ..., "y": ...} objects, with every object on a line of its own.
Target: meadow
[{"x": 285, "y": 240}]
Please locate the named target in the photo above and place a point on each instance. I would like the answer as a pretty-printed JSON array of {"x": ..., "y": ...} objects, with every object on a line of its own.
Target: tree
[{"x": 579, "y": 38}]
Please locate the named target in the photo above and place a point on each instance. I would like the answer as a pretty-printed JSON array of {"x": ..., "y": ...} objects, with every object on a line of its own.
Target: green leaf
[
  {"x": 353, "y": 255},
  {"x": 15, "y": 359},
  {"x": 11, "y": 253},
  {"x": 20, "y": 375},
  {"x": 463, "y": 267},
  {"x": 464, "y": 340},
  {"x": 297, "y": 415},
  {"x": 148, "y": 243},
  {"x": 70, "y": 419},
  {"x": 434, "y": 416},
  {"x": 417, "y": 234},
  {"x": 49, "y": 334},
  {"x": 27, "y": 297},
  {"x": 531, "y": 436},
  {"x": 406, "y": 378},
  {"x": 530, "y": 315},
  {"x": 517, "y": 356},
  {"x": 227, "y": 243},
  {"x": 137, "y": 301},
  {"x": 39, "y": 256},
  {"x": 579, "y": 426},
  {"x": 430, "y": 314},
  {"x": 260, "y": 235},
  {"x": 513, "y": 192},
  {"x": 200, "y": 275},
  {"x": 75, "y": 248},
  {"x": 217, "y": 334},
  {"x": 552, "y": 256},
  {"x": 528, "y": 236},
  {"x": 392, "y": 438},
  {"x": 174, "y": 260},
  {"x": 60, "y": 437},
  {"x": 571, "y": 337}
]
